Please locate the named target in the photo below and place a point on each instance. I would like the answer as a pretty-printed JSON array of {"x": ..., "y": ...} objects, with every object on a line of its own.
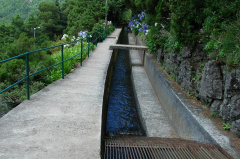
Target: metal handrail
[{"x": 95, "y": 37}]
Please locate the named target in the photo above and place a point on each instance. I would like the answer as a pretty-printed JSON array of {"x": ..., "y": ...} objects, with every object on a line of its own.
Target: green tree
[
  {"x": 5, "y": 34},
  {"x": 83, "y": 14},
  {"x": 50, "y": 19},
  {"x": 21, "y": 45},
  {"x": 17, "y": 26},
  {"x": 63, "y": 18},
  {"x": 186, "y": 20},
  {"x": 116, "y": 8},
  {"x": 33, "y": 22}
]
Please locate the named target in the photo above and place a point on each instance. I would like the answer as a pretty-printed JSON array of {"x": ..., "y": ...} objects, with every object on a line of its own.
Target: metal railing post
[
  {"x": 81, "y": 50},
  {"x": 105, "y": 31},
  {"x": 88, "y": 41},
  {"x": 92, "y": 41},
  {"x": 94, "y": 38},
  {"x": 100, "y": 34},
  {"x": 27, "y": 74},
  {"x": 97, "y": 37},
  {"x": 62, "y": 62},
  {"x": 103, "y": 34}
]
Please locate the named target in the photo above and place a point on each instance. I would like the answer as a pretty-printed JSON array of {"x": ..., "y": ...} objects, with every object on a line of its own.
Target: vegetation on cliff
[{"x": 175, "y": 24}]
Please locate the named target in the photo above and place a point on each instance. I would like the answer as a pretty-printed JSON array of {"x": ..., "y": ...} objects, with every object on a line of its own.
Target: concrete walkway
[{"x": 64, "y": 119}]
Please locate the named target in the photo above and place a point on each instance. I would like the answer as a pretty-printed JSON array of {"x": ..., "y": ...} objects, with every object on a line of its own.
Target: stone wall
[{"x": 210, "y": 81}]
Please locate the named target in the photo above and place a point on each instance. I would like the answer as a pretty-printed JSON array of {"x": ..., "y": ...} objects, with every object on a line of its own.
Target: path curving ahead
[{"x": 62, "y": 120}]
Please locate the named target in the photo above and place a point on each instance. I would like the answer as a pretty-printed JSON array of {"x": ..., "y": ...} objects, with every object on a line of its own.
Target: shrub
[
  {"x": 226, "y": 46},
  {"x": 186, "y": 20}
]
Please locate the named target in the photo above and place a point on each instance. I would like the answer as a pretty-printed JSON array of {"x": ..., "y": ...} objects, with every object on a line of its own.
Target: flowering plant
[
  {"x": 83, "y": 34},
  {"x": 64, "y": 37},
  {"x": 137, "y": 23}
]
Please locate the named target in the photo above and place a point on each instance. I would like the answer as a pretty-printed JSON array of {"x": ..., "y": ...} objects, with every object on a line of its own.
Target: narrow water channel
[{"x": 122, "y": 117}]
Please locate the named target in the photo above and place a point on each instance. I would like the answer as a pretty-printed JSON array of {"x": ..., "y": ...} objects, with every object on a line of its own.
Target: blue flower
[
  {"x": 145, "y": 26},
  {"x": 83, "y": 33}
]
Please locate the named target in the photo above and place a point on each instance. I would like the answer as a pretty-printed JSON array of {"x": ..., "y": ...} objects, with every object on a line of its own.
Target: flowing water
[{"x": 122, "y": 117}]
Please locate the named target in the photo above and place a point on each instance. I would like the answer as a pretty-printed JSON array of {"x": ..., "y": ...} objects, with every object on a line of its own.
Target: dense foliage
[
  {"x": 82, "y": 15},
  {"x": 52, "y": 19},
  {"x": 174, "y": 24}
]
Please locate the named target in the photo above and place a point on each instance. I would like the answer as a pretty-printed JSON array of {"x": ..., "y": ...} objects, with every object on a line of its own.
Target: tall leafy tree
[
  {"x": 83, "y": 14},
  {"x": 116, "y": 8},
  {"x": 5, "y": 34},
  {"x": 50, "y": 19},
  {"x": 32, "y": 23},
  {"x": 17, "y": 26}
]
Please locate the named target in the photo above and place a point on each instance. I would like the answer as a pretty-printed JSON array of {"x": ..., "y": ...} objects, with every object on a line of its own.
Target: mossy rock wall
[{"x": 210, "y": 81}]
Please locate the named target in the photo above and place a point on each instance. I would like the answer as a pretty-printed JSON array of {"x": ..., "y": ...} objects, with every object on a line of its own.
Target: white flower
[
  {"x": 64, "y": 37},
  {"x": 73, "y": 38},
  {"x": 156, "y": 24},
  {"x": 67, "y": 45},
  {"x": 146, "y": 32}
]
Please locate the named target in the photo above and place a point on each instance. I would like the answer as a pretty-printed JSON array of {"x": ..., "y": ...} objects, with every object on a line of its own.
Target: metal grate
[{"x": 164, "y": 148}]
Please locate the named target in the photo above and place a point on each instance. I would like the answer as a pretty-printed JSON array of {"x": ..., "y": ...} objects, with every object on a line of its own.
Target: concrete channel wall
[
  {"x": 186, "y": 118},
  {"x": 151, "y": 114},
  {"x": 107, "y": 93}
]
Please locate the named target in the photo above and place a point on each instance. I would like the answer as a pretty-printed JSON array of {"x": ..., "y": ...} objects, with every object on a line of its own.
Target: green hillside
[{"x": 11, "y": 8}]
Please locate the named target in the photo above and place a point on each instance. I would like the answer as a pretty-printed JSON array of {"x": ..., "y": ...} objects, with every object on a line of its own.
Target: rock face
[
  {"x": 236, "y": 127},
  {"x": 235, "y": 107},
  {"x": 210, "y": 87},
  {"x": 186, "y": 52},
  {"x": 184, "y": 77},
  {"x": 216, "y": 105},
  {"x": 171, "y": 63},
  {"x": 230, "y": 108},
  {"x": 160, "y": 56},
  {"x": 215, "y": 84}
]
